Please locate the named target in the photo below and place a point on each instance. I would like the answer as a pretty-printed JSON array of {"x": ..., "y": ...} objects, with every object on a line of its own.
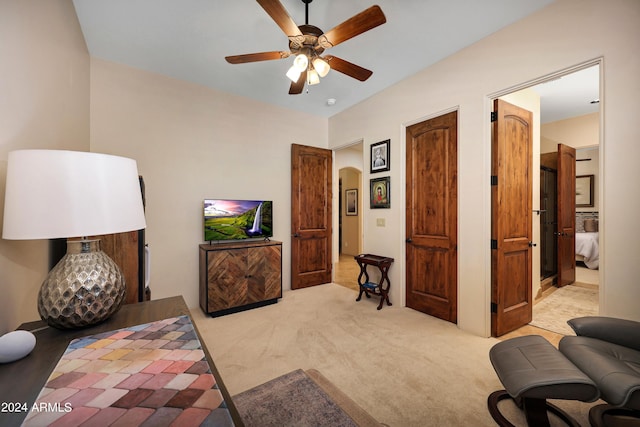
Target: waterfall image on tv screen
[{"x": 237, "y": 219}]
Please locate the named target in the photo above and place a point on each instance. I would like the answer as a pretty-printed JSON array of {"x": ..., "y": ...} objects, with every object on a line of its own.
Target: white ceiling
[
  {"x": 188, "y": 40},
  {"x": 569, "y": 96}
]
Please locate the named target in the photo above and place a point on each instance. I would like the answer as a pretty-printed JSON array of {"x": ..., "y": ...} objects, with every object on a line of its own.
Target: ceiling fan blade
[
  {"x": 357, "y": 24},
  {"x": 255, "y": 57},
  {"x": 348, "y": 68},
  {"x": 279, "y": 14},
  {"x": 296, "y": 87}
]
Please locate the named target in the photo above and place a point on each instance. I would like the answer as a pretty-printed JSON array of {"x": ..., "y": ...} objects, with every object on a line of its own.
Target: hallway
[{"x": 346, "y": 272}]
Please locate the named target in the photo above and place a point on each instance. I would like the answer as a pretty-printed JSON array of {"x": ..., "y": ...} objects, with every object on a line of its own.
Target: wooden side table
[{"x": 366, "y": 287}]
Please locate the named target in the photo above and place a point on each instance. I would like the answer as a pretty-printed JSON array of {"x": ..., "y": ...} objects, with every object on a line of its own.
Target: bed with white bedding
[{"x": 587, "y": 249}]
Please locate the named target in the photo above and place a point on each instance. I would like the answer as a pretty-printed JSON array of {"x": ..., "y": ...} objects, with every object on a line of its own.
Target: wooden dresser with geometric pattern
[{"x": 239, "y": 276}]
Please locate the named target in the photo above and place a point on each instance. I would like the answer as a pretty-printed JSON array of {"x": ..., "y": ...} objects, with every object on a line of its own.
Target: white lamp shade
[
  {"x": 293, "y": 74},
  {"x": 301, "y": 62},
  {"x": 61, "y": 194},
  {"x": 321, "y": 66},
  {"x": 312, "y": 77}
]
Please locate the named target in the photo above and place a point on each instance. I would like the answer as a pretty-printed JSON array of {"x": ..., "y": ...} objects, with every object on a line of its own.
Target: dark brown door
[
  {"x": 123, "y": 249},
  {"x": 511, "y": 192},
  {"x": 432, "y": 217},
  {"x": 311, "y": 172},
  {"x": 566, "y": 215}
]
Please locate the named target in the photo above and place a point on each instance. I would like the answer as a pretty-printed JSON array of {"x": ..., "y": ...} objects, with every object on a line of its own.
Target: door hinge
[
  {"x": 494, "y": 307},
  {"x": 494, "y": 116},
  {"x": 494, "y": 180},
  {"x": 494, "y": 244}
]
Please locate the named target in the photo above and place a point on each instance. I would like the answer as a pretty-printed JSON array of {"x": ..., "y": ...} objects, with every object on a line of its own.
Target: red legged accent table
[{"x": 367, "y": 287}]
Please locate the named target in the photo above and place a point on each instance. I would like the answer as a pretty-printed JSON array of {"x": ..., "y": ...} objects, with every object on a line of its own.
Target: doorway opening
[
  {"x": 349, "y": 164},
  {"x": 569, "y": 114},
  {"x": 579, "y": 128}
]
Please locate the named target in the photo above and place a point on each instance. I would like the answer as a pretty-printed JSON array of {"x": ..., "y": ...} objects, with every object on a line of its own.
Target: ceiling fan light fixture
[
  {"x": 312, "y": 77},
  {"x": 307, "y": 42},
  {"x": 301, "y": 62},
  {"x": 321, "y": 66},
  {"x": 293, "y": 74}
]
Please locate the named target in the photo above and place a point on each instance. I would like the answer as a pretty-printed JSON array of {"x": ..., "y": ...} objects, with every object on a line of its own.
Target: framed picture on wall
[
  {"x": 584, "y": 191},
  {"x": 380, "y": 156},
  {"x": 380, "y": 194},
  {"x": 351, "y": 202}
]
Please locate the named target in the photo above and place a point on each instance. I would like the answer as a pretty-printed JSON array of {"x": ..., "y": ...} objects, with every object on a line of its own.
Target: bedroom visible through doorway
[
  {"x": 569, "y": 115},
  {"x": 567, "y": 111}
]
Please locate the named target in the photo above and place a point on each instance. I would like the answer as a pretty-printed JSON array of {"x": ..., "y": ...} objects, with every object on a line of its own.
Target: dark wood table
[
  {"x": 366, "y": 287},
  {"x": 21, "y": 381}
]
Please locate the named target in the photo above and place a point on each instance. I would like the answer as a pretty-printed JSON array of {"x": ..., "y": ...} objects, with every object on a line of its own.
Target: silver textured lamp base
[{"x": 84, "y": 288}]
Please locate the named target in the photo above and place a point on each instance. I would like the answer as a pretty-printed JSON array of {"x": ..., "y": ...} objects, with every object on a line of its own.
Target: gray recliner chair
[{"x": 607, "y": 350}]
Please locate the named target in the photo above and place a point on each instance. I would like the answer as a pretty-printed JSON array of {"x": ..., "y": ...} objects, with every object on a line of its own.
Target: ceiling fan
[{"x": 308, "y": 43}]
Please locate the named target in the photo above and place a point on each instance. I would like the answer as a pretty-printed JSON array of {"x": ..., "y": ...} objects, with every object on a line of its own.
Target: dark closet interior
[{"x": 548, "y": 209}]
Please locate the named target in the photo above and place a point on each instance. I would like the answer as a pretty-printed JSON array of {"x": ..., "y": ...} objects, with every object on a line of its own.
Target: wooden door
[
  {"x": 124, "y": 250},
  {"x": 511, "y": 217},
  {"x": 566, "y": 215},
  {"x": 311, "y": 178},
  {"x": 432, "y": 217}
]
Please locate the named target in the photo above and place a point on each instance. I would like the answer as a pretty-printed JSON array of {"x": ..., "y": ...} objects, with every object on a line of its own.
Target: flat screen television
[{"x": 237, "y": 219}]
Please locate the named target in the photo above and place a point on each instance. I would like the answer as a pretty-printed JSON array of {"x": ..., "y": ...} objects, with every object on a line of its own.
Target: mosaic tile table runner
[{"x": 154, "y": 374}]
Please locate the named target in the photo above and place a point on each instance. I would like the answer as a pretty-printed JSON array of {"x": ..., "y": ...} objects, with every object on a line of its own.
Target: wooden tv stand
[{"x": 239, "y": 276}]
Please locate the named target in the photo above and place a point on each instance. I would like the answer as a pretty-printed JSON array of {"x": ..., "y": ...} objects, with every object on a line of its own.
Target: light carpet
[
  {"x": 401, "y": 366},
  {"x": 567, "y": 302}
]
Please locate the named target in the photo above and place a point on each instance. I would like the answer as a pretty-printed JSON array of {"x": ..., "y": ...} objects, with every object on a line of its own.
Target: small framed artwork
[
  {"x": 380, "y": 194},
  {"x": 584, "y": 191},
  {"x": 380, "y": 156},
  {"x": 351, "y": 199}
]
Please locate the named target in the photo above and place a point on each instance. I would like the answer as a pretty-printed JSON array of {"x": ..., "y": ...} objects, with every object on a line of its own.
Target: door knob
[
  {"x": 409, "y": 240},
  {"x": 531, "y": 244}
]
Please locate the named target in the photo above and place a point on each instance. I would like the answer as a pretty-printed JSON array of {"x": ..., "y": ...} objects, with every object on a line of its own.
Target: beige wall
[
  {"x": 44, "y": 103},
  {"x": 193, "y": 143},
  {"x": 576, "y": 132},
  {"x": 467, "y": 81},
  {"x": 583, "y": 134}
]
